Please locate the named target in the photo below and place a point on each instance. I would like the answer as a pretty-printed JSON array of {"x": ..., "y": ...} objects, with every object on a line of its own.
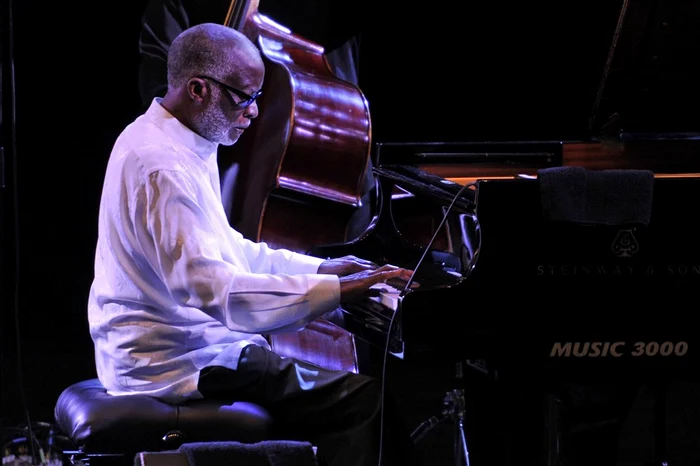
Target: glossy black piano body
[{"x": 537, "y": 297}]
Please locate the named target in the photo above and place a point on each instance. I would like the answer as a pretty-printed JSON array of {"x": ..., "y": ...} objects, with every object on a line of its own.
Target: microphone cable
[
  {"x": 381, "y": 403},
  {"x": 426, "y": 249},
  {"x": 403, "y": 293},
  {"x": 9, "y": 32}
]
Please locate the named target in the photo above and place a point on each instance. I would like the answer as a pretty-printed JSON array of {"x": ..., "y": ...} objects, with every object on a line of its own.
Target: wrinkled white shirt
[{"x": 176, "y": 288}]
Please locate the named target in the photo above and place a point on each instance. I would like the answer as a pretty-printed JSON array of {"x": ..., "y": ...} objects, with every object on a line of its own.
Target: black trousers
[{"x": 337, "y": 411}]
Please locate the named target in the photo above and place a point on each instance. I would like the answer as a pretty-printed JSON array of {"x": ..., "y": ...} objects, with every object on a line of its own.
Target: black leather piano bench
[{"x": 112, "y": 430}]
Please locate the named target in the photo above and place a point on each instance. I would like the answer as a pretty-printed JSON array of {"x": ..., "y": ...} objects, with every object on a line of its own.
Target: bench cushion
[{"x": 98, "y": 422}]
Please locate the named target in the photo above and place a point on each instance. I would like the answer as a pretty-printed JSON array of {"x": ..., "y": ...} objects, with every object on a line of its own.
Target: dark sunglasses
[{"x": 246, "y": 99}]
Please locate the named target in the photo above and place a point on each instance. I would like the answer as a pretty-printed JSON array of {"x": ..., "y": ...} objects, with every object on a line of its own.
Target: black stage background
[{"x": 481, "y": 71}]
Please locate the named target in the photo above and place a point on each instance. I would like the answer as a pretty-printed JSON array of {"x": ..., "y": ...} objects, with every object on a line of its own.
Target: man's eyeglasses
[{"x": 246, "y": 99}]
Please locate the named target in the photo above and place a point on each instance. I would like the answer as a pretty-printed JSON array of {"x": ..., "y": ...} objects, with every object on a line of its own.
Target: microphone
[{"x": 432, "y": 240}]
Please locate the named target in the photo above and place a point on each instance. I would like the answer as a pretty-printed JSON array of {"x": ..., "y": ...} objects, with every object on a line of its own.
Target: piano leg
[
  {"x": 660, "y": 444},
  {"x": 553, "y": 430}
]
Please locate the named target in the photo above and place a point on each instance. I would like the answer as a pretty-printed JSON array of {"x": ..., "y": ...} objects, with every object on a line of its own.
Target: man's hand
[
  {"x": 346, "y": 265},
  {"x": 357, "y": 286}
]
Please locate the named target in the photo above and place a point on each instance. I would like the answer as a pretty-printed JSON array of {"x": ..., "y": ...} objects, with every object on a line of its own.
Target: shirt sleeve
[
  {"x": 280, "y": 292},
  {"x": 263, "y": 259}
]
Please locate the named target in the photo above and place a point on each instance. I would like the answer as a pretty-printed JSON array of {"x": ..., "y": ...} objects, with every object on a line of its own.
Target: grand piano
[
  {"x": 506, "y": 282},
  {"x": 529, "y": 293},
  {"x": 522, "y": 293}
]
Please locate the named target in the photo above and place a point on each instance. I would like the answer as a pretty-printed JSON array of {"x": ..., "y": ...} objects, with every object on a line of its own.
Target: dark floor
[{"x": 506, "y": 423}]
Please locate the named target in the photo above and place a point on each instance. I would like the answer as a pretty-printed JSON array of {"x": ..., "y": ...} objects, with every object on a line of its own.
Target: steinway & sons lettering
[
  {"x": 617, "y": 349},
  {"x": 617, "y": 270}
]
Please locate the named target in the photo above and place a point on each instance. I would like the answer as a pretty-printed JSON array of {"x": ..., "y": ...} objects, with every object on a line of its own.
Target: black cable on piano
[
  {"x": 432, "y": 240},
  {"x": 405, "y": 290}
]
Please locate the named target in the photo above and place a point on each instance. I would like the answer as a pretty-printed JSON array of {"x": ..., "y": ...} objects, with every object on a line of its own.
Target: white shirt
[{"x": 176, "y": 288}]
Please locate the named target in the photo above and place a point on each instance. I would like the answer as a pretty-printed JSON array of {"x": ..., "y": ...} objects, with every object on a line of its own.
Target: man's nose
[{"x": 251, "y": 110}]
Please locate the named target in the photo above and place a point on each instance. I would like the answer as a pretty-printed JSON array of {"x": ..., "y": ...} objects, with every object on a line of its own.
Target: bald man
[{"x": 180, "y": 301}]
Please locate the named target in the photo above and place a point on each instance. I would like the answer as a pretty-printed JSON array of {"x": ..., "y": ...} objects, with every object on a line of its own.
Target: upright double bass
[
  {"x": 302, "y": 166},
  {"x": 303, "y": 163}
]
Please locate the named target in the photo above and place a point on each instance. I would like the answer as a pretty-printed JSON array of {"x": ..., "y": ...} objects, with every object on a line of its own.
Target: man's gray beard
[{"x": 215, "y": 127}]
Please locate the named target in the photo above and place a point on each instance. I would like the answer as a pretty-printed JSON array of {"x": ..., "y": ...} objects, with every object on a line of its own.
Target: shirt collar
[{"x": 172, "y": 127}]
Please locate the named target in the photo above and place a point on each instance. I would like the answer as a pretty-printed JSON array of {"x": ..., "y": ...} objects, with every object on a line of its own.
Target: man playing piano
[{"x": 179, "y": 299}]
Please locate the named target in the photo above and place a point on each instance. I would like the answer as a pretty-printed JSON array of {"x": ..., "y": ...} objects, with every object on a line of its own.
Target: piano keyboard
[
  {"x": 375, "y": 317},
  {"x": 388, "y": 295}
]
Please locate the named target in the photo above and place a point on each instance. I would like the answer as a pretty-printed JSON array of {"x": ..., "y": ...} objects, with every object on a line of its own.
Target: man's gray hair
[{"x": 205, "y": 49}]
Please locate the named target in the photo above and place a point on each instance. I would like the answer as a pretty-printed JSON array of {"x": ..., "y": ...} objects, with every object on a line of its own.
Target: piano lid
[{"x": 650, "y": 86}]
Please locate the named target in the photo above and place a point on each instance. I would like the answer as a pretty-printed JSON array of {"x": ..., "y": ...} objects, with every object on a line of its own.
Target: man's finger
[{"x": 364, "y": 262}]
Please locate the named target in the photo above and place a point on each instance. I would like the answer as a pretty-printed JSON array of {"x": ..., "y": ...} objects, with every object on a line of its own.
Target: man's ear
[{"x": 197, "y": 89}]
